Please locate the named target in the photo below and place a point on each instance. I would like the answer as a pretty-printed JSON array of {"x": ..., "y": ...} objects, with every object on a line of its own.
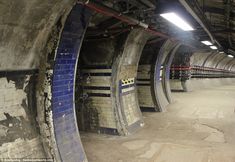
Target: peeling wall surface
[{"x": 19, "y": 132}]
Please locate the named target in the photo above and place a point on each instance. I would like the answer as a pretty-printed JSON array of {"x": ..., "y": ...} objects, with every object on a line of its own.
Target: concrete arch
[
  {"x": 161, "y": 99},
  {"x": 124, "y": 80},
  {"x": 111, "y": 89},
  {"x": 232, "y": 64},
  {"x": 209, "y": 69},
  {"x": 220, "y": 62},
  {"x": 69, "y": 146},
  {"x": 166, "y": 72},
  {"x": 229, "y": 64},
  {"x": 225, "y": 62},
  {"x": 232, "y": 67},
  {"x": 152, "y": 76},
  {"x": 200, "y": 58},
  {"x": 208, "y": 58},
  {"x": 212, "y": 63}
]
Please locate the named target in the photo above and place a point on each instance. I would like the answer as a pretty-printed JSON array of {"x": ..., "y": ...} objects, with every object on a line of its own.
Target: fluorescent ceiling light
[
  {"x": 208, "y": 43},
  {"x": 213, "y": 47},
  {"x": 230, "y": 56},
  {"x": 178, "y": 21}
]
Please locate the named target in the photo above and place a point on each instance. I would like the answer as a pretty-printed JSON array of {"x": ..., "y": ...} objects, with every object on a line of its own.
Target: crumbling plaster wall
[
  {"x": 24, "y": 29},
  {"x": 29, "y": 33},
  {"x": 19, "y": 137}
]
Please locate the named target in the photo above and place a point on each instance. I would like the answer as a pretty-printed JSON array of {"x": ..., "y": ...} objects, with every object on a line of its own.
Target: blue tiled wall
[{"x": 64, "y": 120}]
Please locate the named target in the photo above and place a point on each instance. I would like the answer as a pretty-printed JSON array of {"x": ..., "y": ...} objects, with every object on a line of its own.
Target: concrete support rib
[
  {"x": 124, "y": 73},
  {"x": 212, "y": 62},
  {"x": 166, "y": 73},
  {"x": 232, "y": 65},
  {"x": 112, "y": 84},
  {"x": 69, "y": 146},
  {"x": 220, "y": 61},
  {"x": 232, "y": 68},
  {"x": 224, "y": 63},
  {"x": 154, "y": 93},
  {"x": 161, "y": 100},
  {"x": 229, "y": 64},
  {"x": 208, "y": 58}
]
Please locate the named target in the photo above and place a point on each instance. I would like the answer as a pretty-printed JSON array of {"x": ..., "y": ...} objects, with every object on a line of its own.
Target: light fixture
[
  {"x": 221, "y": 52},
  {"x": 178, "y": 21},
  {"x": 213, "y": 47},
  {"x": 208, "y": 43},
  {"x": 230, "y": 56}
]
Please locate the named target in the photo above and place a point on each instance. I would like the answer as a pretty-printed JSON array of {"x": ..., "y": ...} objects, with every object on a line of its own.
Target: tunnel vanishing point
[{"x": 72, "y": 68}]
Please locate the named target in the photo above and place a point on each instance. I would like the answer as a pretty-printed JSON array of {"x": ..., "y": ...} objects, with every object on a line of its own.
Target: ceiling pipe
[
  {"x": 100, "y": 8},
  {"x": 198, "y": 19},
  {"x": 107, "y": 31}
]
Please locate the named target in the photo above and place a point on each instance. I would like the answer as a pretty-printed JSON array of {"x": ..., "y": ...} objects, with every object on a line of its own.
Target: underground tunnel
[{"x": 117, "y": 81}]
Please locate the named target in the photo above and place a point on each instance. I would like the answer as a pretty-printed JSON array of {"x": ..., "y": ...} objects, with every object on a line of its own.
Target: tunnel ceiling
[{"x": 218, "y": 17}]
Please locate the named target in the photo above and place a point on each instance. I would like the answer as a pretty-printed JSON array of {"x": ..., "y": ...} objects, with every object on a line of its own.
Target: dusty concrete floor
[{"x": 198, "y": 127}]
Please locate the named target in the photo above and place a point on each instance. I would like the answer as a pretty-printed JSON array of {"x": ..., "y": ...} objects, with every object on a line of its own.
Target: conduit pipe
[{"x": 100, "y": 8}]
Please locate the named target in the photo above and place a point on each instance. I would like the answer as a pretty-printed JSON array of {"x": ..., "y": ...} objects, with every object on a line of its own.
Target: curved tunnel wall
[
  {"x": 213, "y": 60},
  {"x": 200, "y": 59},
  {"x": 166, "y": 73},
  {"x": 204, "y": 70},
  {"x": 225, "y": 62}
]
